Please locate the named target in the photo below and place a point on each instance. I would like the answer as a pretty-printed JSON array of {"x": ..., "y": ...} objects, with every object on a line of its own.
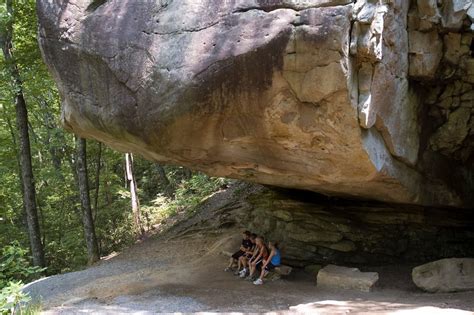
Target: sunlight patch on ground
[
  {"x": 331, "y": 307},
  {"x": 429, "y": 310}
]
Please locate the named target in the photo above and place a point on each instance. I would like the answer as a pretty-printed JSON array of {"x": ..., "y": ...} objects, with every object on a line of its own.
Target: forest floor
[{"x": 185, "y": 274}]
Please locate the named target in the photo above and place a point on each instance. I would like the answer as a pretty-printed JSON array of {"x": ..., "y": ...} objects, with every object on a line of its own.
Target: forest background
[{"x": 65, "y": 201}]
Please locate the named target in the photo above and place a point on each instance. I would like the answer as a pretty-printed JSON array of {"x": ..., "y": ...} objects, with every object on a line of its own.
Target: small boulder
[
  {"x": 337, "y": 277},
  {"x": 445, "y": 275},
  {"x": 283, "y": 270}
]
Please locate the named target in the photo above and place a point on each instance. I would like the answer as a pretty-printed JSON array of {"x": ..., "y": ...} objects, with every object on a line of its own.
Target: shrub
[
  {"x": 11, "y": 297},
  {"x": 14, "y": 269},
  {"x": 15, "y": 266}
]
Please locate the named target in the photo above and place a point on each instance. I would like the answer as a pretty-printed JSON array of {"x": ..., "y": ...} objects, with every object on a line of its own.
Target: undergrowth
[
  {"x": 14, "y": 270},
  {"x": 188, "y": 194}
]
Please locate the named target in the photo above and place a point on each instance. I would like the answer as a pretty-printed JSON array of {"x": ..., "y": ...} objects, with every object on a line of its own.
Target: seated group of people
[{"x": 255, "y": 255}]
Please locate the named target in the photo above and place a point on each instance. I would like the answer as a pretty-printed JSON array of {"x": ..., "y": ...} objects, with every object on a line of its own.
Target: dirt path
[{"x": 185, "y": 275}]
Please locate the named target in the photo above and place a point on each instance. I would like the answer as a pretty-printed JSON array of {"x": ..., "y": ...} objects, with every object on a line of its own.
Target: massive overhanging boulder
[{"x": 321, "y": 95}]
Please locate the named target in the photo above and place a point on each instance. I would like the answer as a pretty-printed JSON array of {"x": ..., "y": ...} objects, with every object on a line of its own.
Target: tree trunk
[
  {"x": 87, "y": 220},
  {"x": 108, "y": 197},
  {"x": 162, "y": 174},
  {"x": 97, "y": 180},
  {"x": 133, "y": 194},
  {"x": 27, "y": 179},
  {"x": 17, "y": 155},
  {"x": 187, "y": 173}
]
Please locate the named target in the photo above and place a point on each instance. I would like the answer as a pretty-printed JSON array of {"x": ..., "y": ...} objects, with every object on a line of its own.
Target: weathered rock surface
[
  {"x": 334, "y": 96},
  {"x": 283, "y": 270},
  {"x": 445, "y": 275},
  {"x": 342, "y": 232},
  {"x": 338, "y": 277}
]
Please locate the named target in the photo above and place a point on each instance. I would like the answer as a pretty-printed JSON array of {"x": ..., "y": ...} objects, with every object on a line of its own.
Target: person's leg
[
  {"x": 252, "y": 268},
  {"x": 249, "y": 263},
  {"x": 262, "y": 273},
  {"x": 266, "y": 270},
  {"x": 240, "y": 265},
  {"x": 258, "y": 265},
  {"x": 246, "y": 263},
  {"x": 233, "y": 259}
]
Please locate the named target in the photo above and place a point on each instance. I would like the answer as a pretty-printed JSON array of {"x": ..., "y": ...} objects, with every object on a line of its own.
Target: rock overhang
[{"x": 309, "y": 95}]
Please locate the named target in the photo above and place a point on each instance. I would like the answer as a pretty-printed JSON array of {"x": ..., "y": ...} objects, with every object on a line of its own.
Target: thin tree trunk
[
  {"x": 162, "y": 174},
  {"x": 108, "y": 198},
  {"x": 87, "y": 220},
  {"x": 165, "y": 182},
  {"x": 17, "y": 154},
  {"x": 187, "y": 173},
  {"x": 27, "y": 179},
  {"x": 133, "y": 194},
  {"x": 97, "y": 181}
]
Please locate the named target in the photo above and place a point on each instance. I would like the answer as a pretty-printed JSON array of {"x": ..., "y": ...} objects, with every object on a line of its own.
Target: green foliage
[
  {"x": 11, "y": 297},
  {"x": 53, "y": 156},
  {"x": 14, "y": 301},
  {"x": 14, "y": 270},
  {"x": 14, "y": 265},
  {"x": 188, "y": 193},
  {"x": 5, "y": 19}
]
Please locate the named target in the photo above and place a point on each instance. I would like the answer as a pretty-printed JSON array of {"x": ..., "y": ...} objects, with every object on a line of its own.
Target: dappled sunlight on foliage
[{"x": 188, "y": 194}]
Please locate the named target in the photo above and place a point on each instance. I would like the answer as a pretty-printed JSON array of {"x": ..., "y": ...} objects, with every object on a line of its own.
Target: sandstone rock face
[
  {"x": 334, "y": 96},
  {"x": 317, "y": 230},
  {"x": 342, "y": 232},
  {"x": 337, "y": 277},
  {"x": 445, "y": 275}
]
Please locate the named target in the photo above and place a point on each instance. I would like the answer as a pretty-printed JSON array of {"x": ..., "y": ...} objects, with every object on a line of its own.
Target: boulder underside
[{"x": 349, "y": 98}]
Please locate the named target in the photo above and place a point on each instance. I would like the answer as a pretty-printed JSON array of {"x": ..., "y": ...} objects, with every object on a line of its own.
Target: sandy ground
[{"x": 186, "y": 275}]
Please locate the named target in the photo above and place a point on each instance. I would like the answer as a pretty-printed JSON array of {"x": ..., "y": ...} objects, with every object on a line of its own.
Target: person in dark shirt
[
  {"x": 244, "y": 259},
  {"x": 246, "y": 244}
]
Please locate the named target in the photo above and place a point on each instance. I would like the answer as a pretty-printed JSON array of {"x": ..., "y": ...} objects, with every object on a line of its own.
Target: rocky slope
[{"x": 369, "y": 99}]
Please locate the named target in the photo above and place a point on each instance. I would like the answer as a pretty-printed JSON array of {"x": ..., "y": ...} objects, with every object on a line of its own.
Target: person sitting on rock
[
  {"x": 255, "y": 254},
  {"x": 243, "y": 260},
  {"x": 273, "y": 260},
  {"x": 246, "y": 244},
  {"x": 256, "y": 262}
]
